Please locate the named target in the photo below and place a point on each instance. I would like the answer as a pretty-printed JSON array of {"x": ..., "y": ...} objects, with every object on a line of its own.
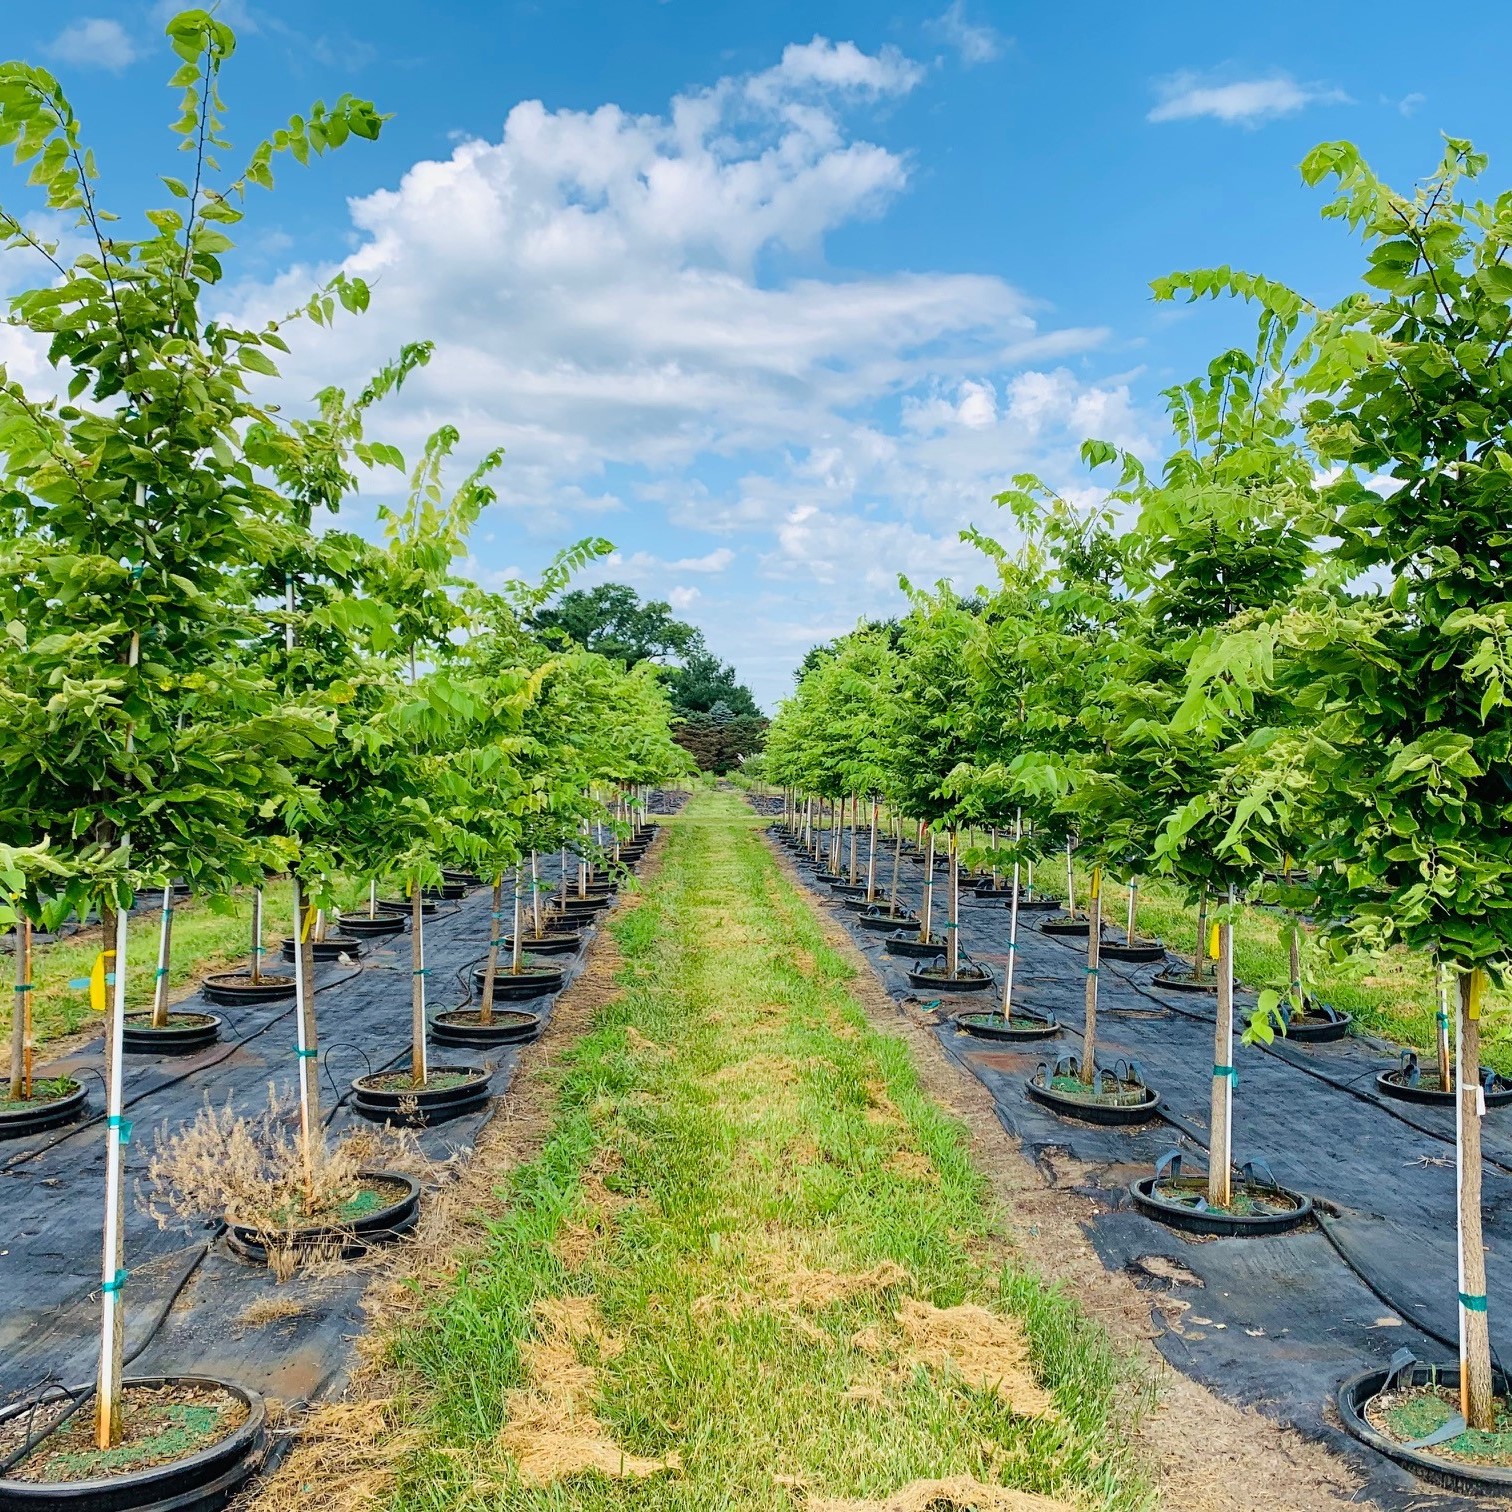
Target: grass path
[{"x": 752, "y": 1261}]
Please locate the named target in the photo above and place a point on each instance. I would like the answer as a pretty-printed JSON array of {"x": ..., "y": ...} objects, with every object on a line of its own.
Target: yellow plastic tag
[
  {"x": 1096, "y": 883},
  {"x": 1213, "y": 942},
  {"x": 1477, "y": 987},
  {"x": 309, "y": 924},
  {"x": 97, "y": 975}
]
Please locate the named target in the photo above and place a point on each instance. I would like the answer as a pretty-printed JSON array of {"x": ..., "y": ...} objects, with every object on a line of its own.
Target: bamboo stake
[
  {"x": 1094, "y": 947},
  {"x": 516, "y": 944},
  {"x": 254, "y": 974},
  {"x": 419, "y": 1065},
  {"x": 1133, "y": 907},
  {"x": 372, "y": 897},
  {"x": 1221, "y": 1113},
  {"x": 159, "y": 1018},
  {"x": 1446, "y": 1067},
  {"x": 1476, "y": 1399},
  {"x": 1199, "y": 961},
  {"x": 1070, "y": 883},
  {"x": 496, "y": 918},
  {"x": 855, "y": 803},
  {"x": 953, "y": 928},
  {"x": 535, "y": 895}
]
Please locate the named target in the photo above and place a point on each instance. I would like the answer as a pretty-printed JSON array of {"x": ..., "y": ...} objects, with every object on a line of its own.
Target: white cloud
[
  {"x": 975, "y": 42},
  {"x": 599, "y": 286},
  {"x": 683, "y": 599},
  {"x": 1247, "y": 102},
  {"x": 93, "y": 42},
  {"x": 1409, "y": 103}
]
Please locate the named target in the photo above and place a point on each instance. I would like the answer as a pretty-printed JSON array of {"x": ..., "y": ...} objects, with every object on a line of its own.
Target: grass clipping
[
  {"x": 550, "y": 1431},
  {"x": 960, "y": 1493},
  {"x": 985, "y": 1350}
]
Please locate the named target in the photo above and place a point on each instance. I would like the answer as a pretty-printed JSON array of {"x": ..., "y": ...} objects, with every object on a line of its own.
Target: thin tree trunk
[
  {"x": 1094, "y": 948},
  {"x": 1446, "y": 1064},
  {"x": 1013, "y": 902},
  {"x": 1299, "y": 1007},
  {"x": 1221, "y": 1111},
  {"x": 1070, "y": 883},
  {"x": 419, "y": 1067},
  {"x": 254, "y": 972},
  {"x": 373, "y": 898},
  {"x": 1133, "y": 909},
  {"x": 20, "y": 1057},
  {"x": 1476, "y": 1399},
  {"x": 926, "y": 911},
  {"x": 159, "y": 1018},
  {"x": 897, "y": 866},
  {"x": 535, "y": 896},
  {"x": 306, "y": 1045},
  {"x": 1199, "y": 962},
  {"x": 496, "y": 921},
  {"x": 953, "y": 928},
  {"x": 112, "y": 1267},
  {"x": 582, "y": 867},
  {"x": 871, "y": 857},
  {"x": 993, "y": 873},
  {"x": 855, "y": 803}
]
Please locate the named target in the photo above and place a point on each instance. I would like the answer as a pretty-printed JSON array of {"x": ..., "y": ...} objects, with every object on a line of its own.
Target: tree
[{"x": 612, "y": 620}]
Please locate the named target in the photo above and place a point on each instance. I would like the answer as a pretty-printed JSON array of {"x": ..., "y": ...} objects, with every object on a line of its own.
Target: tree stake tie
[
  {"x": 115, "y": 1283},
  {"x": 1472, "y": 1303},
  {"x": 302, "y": 1054},
  {"x": 1227, "y": 1071},
  {"x": 122, "y": 1126}
]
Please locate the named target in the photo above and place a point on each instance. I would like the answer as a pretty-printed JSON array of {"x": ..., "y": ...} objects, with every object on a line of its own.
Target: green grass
[{"x": 730, "y": 1126}]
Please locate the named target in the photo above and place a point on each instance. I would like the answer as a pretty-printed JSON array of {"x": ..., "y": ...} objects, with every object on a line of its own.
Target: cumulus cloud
[
  {"x": 600, "y": 286},
  {"x": 682, "y": 599},
  {"x": 974, "y": 42},
  {"x": 93, "y": 42},
  {"x": 1244, "y": 102}
]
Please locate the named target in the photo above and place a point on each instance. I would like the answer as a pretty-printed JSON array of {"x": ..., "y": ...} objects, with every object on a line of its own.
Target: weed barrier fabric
[
  {"x": 1273, "y": 1323},
  {"x": 191, "y": 1305}
]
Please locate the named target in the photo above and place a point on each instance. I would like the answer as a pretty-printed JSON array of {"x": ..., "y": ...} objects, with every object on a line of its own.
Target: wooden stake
[
  {"x": 20, "y": 1057},
  {"x": 1133, "y": 906},
  {"x": 1446, "y": 1064},
  {"x": 535, "y": 895},
  {"x": 1094, "y": 955},
  {"x": 117, "y": 1131},
  {"x": 254, "y": 973},
  {"x": 1070, "y": 883},
  {"x": 1013, "y": 902},
  {"x": 306, "y": 1049},
  {"x": 1221, "y": 1108},
  {"x": 926, "y": 910},
  {"x": 952, "y": 929},
  {"x": 1476, "y": 1399},
  {"x": 871, "y": 857},
  {"x": 496, "y": 918}
]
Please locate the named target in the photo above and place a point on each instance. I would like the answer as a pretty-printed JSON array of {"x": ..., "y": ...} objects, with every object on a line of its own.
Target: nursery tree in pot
[
  {"x": 1408, "y": 384},
  {"x": 129, "y": 520}
]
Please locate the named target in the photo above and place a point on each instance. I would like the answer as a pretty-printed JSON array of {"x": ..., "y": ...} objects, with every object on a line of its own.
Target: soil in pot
[
  {"x": 1254, "y": 1207},
  {"x": 465, "y": 1026},
  {"x": 1037, "y": 905},
  {"x": 531, "y": 981},
  {"x": 392, "y": 1097},
  {"x": 183, "y": 1034},
  {"x": 1407, "y": 1414},
  {"x": 562, "y": 942},
  {"x": 382, "y": 923},
  {"x": 448, "y": 892},
  {"x": 1069, "y": 928},
  {"x": 1184, "y": 979},
  {"x": 884, "y": 920},
  {"x": 1118, "y": 1096},
  {"x": 161, "y": 1426},
  {"x": 1017, "y": 1026},
  {"x": 332, "y": 948},
  {"x": 54, "y": 1100},
  {"x": 968, "y": 978},
  {"x": 381, "y": 1206},
  {"x": 1319, "y": 1024},
  {"x": 428, "y": 905},
  {"x": 233, "y": 988},
  {"x": 1409, "y": 1082},
  {"x": 1140, "y": 952}
]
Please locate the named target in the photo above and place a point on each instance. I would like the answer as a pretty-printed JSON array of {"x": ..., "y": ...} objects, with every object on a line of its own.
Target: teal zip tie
[
  {"x": 115, "y": 1284},
  {"x": 122, "y": 1125},
  {"x": 161, "y": 972},
  {"x": 79, "y": 984},
  {"x": 499, "y": 942},
  {"x": 1227, "y": 1071},
  {"x": 1472, "y": 1303},
  {"x": 1091, "y": 970},
  {"x": 110, "y": 979},
  {"x": 22, "y": 987},
  {"x": 423, "y": 971},
  {"x": 304, "y": 1054},
  {"x": 1012, "y": 945}
]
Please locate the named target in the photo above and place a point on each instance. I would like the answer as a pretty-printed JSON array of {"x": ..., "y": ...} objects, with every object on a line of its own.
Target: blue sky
[{"x": 776, "y": 297}]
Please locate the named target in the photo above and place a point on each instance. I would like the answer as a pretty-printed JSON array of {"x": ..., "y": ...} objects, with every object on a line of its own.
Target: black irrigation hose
[{"x": 231, "y": 1048}]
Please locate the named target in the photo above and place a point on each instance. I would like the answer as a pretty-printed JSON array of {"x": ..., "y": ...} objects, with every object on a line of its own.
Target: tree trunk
[
  {"x": 1476, "y": 1400},
  {"x": 1094, "y": 955},
  {"x": 1221, "y": 1110},
  {"x": 535, "y": 895},
  {"x": 1199, "y": 962},
  {"x": 254, "y": 972},
  {"x": 159, "y": 1019},
  {"x": 993, "y": 872},
  {"x": 419, "y": 1068},
  {"x": 1446, "y": 1064},
  {"x": 373, "y": 898},
  {"x": 112, "y": 1268},
  {"x": 1070, "y": 883},
  {"x": 1133, "y": 909},
  {"x": 953, "y": 927},
  {"x": 517, "y": 920},
  {"x": 582, "y": 867},
  {"x": 20, "y": 1057},
  {"x": 1294, "y": 961},
  {"x": 871, "y": 857},
  {"x": 306, "y": 1045},
  {"x": 496, "y": 921},
  {"x": 892, "y": 906},
  {"x": 1013, "y": 902},
  {"x": 855, "y": 804},
  {"x": 926, "y": 909}
]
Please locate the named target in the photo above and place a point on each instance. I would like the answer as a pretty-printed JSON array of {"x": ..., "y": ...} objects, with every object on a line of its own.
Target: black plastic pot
[
  {"x": 532, "y": 982},
  {"x": 34, "y": 1117},
  {"x": 1068, "y": 928},
  {"x": 1355, "y": 1394},
  {"x": 234, "y": 989},
  {"x": 966, "y": 979},
  {"x": 906, "y": 942},
  {"x": 1136, "y": 1104},
  {"x": 829, "y": 876},
  {"x": 1037, "y": 905},
  {"x": 461, "y": 1026},
  {"x": 858, "y": 904},
  {"x": 183, "y": 1034},
  {"x": 848, "y": 889},
  {"x": 345, "y": 1239},
  {"x": 466, "y": 878},
  {"x": 382, "y": 923},
  {"x": 563, "y": 942},
  {"x": 1021, "y": 1026},
  {"x": 1397, "y": 1083},
  {"x": 1142, "y": 952},
  {"x": 1184, "y": 982},
  {"x": 448, "y": 892},
  {"x": 986, "y": 890},
  {"x": 332, "y": 948},
  {"x": 582, "y": 908},
  {"x": 889, "y": 921},
  {"x": 1146, "y": 1194},
  {"x": 202, "y": 1482},
  {"x": 428, "y": 906},
  {"x": 1320, "y": 1025},
  {"x": 417, "y": 1106}
]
